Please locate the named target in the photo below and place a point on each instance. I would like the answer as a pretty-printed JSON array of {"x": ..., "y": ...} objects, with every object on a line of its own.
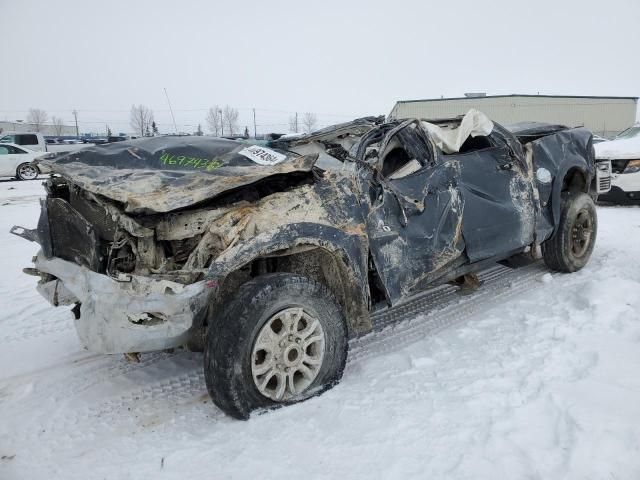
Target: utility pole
[
  {"x": 296, "y": 122},
  {"x": 171, "y": 110},
  {"x": 255, "y": 134},
  {"x": 75, "y": 114},
  {"x": 221, "y": 123}
]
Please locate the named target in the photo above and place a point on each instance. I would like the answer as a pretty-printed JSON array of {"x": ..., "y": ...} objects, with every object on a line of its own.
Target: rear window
[{"x": 27, "y": 139}]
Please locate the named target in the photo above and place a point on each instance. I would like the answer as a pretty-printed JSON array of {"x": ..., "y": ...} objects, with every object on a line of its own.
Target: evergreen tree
[{"x": 154, "y": 127}]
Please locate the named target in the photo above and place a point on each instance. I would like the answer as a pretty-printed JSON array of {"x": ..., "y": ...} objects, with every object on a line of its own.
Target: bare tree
[
  {"x": 309, "y": 120},
  {"x": 230, "y": 117},
  {"x": 214, "y": 120},
  {"x": 37, "y": 117},
  {"x": 141, "y": 119},
  {"x": 58, "y": 125},
  {"x": 294, "y": 126}
]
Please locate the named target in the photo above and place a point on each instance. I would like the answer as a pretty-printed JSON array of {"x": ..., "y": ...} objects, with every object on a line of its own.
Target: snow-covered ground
[{"x": 535, "y": 376}]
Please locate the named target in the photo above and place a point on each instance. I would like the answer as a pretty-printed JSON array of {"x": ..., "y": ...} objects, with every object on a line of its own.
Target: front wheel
[
  {"x": 570, "y": 247},
  {"x": 26, "y": 171},
  {"x": 281, "y": 340}
]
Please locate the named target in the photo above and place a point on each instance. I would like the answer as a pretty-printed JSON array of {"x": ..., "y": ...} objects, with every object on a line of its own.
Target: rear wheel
[
  {"x": 26, "y": 171},
  {"x": 281, "y": 340},
  {"x": 570, "y": 247}
]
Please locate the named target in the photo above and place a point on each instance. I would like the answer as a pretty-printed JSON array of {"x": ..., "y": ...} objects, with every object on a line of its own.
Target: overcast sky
[{"x": 338, "y": 59}]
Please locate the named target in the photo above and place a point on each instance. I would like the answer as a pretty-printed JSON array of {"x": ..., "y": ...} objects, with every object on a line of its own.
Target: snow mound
[{"x": 532, "y": 376}]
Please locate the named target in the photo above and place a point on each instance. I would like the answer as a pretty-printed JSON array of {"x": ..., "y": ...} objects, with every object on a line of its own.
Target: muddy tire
[
  {"x": 281, "y": 340},
  {"x": 26, "y": 171},
  {"x": 570, "y": 247}
]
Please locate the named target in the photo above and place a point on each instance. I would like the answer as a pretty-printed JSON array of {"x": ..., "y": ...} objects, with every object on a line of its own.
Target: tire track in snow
[
  {"x": 48, "y": 326},
  {"x": 150, "y": 405},
  {"x": 442, "y": 310},
  {"x": 394, "y": 329},
  {"x": 30, "y": 316}
]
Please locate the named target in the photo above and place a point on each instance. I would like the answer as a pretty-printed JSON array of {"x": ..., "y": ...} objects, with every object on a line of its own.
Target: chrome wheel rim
[
  {"x": 28, "y": 172},
  {"x": 287, "y": 354},
  {"x": 581, "y": 233}
]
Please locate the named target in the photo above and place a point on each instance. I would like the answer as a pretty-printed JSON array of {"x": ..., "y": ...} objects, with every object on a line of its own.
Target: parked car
[
  {"x": 36, "y": 141},
  {"x": 95, "y": 140},
  {"x": 16, "y": 161},
  {"x": 623, "y": 153},
  {"x": 269, "y": 257}
]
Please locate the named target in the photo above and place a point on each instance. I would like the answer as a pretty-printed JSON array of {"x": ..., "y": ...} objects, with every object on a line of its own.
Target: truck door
[
  {"x": 415, "y": 221},
  {"x": 499, "y": 213}
]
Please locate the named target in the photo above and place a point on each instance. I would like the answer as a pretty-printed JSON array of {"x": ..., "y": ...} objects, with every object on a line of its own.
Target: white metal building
[
  {"x": 605, "y": 116},
  {"x": 65, "y": 130}
]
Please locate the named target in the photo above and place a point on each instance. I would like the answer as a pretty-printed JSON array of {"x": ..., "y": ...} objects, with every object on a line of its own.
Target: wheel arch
[
  {"x": 574, "y": 177},
  {"x": 336, "y": 258}
]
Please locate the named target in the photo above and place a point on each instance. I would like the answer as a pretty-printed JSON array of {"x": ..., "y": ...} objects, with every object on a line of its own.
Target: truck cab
[
  {"x": 35, "y": 141},
  {"x": 31, "y": 140}
]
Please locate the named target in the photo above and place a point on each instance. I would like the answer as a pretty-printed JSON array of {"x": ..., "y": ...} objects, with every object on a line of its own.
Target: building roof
[{"x": 516, "y": 95}]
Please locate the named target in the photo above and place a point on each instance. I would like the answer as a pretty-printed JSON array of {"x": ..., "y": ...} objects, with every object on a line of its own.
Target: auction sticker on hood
[{"x": 262, "y": 155}]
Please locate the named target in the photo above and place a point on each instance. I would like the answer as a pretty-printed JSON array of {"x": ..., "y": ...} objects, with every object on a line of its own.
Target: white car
[
  {"x": 16, "y": 161},
  {"x": 624, "y": 154}
]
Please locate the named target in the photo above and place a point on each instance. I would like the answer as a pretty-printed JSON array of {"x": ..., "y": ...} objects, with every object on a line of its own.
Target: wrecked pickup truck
[{"x": 269, "y": 257}]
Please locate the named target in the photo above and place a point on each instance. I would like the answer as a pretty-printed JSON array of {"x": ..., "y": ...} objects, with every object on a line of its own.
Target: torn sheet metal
[{"x": 161, "y": 174}]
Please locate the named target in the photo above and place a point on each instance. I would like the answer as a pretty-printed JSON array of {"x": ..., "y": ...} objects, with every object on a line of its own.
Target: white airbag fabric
[{"x": 449, "y": 140}]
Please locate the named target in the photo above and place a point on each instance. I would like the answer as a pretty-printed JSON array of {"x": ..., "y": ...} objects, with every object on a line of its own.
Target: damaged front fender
[{"x": 347, "y": 249}]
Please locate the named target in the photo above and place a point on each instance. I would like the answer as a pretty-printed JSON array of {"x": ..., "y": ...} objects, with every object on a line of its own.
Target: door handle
[{"x": 505, "y": 166}]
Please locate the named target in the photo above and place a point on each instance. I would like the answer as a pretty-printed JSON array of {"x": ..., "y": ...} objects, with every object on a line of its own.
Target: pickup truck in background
[{"x": 35, "y": 141}]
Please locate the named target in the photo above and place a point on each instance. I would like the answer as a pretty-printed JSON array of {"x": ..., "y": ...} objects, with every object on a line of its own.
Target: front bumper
[
  {"x": 139, "y": 315},
  {"x": 620, "y": 196},
  {"x": 43, "y": 169}
]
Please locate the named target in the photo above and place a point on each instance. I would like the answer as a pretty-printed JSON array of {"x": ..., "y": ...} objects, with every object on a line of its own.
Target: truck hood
[
  {"x": 161, "y": 174},
  {"x": 623, "y": 149}
]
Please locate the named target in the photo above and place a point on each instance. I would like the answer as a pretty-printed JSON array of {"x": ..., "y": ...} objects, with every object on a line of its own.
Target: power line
[{"x": 248, "y": 109}]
